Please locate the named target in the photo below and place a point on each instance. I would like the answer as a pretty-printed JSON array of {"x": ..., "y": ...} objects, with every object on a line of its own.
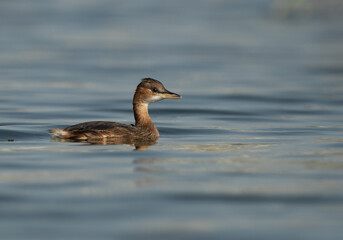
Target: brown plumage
[{"x": 148, "y": 91}]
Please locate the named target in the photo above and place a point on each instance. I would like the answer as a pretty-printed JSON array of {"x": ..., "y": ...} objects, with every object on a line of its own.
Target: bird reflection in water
[
  {"x": 152, "y": 165},
  {"x": 139, "y": 145}
]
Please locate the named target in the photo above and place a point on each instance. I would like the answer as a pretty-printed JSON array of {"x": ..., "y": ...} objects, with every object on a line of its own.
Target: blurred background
[
  {"x": 218, "y": 45},
  {"x": 252, "y": 150}
]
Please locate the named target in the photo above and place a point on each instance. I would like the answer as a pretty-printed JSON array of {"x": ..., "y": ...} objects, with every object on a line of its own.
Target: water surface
[{"x": 252, "y": 150}]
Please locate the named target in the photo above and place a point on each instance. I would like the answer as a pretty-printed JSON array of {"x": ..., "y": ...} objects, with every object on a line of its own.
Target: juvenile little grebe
[{"x": 148, "y": 91}]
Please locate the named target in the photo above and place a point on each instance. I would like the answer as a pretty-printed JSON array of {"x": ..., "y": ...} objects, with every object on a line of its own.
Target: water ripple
[
  {"x": 256, "y": 198},
  {"x": 263, "y": 98},
  {"x": 202, "y": 111}
]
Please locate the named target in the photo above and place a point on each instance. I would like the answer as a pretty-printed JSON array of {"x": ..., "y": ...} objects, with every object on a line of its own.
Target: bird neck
[
  {"x": 141, "y": 113},
  {"x": 142, "y": 117}
]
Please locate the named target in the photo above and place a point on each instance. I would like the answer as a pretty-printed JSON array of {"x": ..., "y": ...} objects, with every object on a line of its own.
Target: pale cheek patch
[{"x": 153, "y": 99}]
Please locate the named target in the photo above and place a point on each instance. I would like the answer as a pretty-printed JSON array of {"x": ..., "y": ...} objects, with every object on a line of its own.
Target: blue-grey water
[{"x": 253, "y": 150}]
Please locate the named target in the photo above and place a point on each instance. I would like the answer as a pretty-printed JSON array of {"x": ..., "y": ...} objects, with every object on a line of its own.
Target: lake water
[{"x": 253, "y": 150}]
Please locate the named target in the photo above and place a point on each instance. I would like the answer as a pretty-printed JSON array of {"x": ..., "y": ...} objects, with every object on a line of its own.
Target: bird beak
[{"x": 170, "y": 95}]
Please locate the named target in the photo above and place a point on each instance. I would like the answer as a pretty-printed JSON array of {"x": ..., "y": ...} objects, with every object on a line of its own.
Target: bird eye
[{"x": 155, "y": 89}]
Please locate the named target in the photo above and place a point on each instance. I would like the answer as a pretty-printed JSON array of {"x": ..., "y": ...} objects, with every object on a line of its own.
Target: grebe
[{"x": 148, "y": 91}]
